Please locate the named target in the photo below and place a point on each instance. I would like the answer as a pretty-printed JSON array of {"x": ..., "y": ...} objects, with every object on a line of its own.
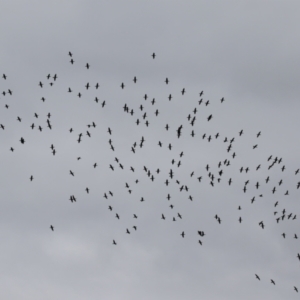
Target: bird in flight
[{"x": 272, "y": 281}]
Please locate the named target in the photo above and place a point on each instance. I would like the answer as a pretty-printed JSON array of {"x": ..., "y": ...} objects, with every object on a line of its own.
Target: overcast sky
[{"x": 244, "y": 51}]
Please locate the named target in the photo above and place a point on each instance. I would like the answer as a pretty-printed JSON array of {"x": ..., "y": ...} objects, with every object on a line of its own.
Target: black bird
[
  {"x": 257, "y": 276},
  {"x": 52, "y": 228},
  {"x": 153, "y": 55}
]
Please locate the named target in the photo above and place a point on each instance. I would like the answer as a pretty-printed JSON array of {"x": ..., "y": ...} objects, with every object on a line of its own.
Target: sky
[{"x": 244, "y": 51}]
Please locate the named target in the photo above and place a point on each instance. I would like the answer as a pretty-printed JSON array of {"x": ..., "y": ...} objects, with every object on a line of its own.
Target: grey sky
[{"x": 245, "y": 51}]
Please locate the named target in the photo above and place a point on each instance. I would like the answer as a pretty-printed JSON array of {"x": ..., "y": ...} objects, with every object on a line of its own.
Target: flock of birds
[{"x": 213, "y": 174}]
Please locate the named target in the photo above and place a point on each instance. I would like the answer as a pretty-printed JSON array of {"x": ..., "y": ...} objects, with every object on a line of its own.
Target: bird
[{"x": 51, "y": 227}]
